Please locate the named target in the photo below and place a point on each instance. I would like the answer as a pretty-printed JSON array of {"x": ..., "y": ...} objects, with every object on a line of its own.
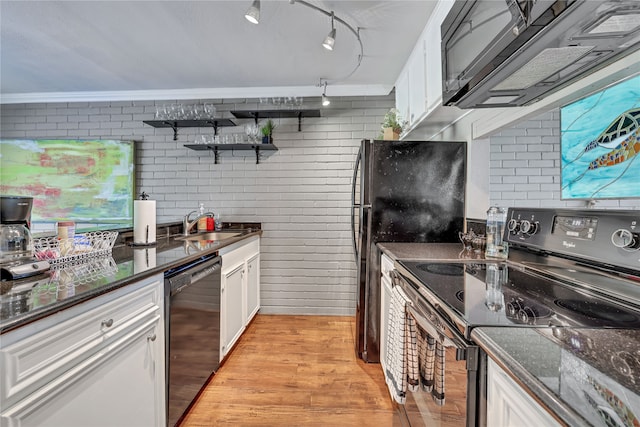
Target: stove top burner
[
  {"x": 499, "y": 294},
  {"x": 443, "y": 269},
  {"x": 597, "y": 310}
]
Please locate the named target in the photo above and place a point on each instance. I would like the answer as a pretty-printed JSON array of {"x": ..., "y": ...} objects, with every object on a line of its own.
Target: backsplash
[{"x": 525, "y": 167}]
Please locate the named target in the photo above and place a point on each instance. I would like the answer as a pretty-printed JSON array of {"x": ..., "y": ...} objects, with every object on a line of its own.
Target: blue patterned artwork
[{"x": 600, "y": 143}]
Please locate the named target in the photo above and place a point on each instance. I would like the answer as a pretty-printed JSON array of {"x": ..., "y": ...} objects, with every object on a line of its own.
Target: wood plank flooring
[{"x": 295, "y": 371}]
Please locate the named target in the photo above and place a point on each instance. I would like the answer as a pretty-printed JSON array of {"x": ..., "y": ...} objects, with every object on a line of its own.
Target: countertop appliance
[
  {"x": 566, "y": 268},
  {"x": 403, "y": 191},
  {"x": 192, "y": 298},
  {"x": 16, "y": 243},
  {"x": 513, "y": 53}
]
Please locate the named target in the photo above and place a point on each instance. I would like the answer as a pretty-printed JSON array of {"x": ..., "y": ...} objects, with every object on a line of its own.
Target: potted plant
[
  {"x": 267, "y": 131},
  {"x": 392, "y": 125}
]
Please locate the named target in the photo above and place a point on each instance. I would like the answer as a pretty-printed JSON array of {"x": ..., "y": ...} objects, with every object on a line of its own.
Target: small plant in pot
[
  {"x": 267, "y": 131},
  {"x": 392, "y": 125}
]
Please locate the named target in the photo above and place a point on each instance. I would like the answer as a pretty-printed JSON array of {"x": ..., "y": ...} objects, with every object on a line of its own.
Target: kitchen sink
[{"x": 211, "y": 236}]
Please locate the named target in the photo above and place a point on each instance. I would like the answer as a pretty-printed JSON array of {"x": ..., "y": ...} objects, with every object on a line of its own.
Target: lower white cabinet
[
  {"x": 240, "y": 290},
  {"x": 100, "y": 363},
  {"x": 232, "y": 317},
  {"x": 386, "y": 264},
  {"x": 509, "y": 405},
  {"x": 253, "y": 286}
]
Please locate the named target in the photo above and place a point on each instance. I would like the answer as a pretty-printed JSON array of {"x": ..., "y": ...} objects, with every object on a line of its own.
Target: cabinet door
[
  {"x": 120, "y": 385},
  {"x": 253, "y": 287},
  {"x": 402, "y": 94},
  {"x": 385, "y": 305},
  {"x": 232, "y": 310},
  {"x": 433, "y": 54},
  {"x": 417, "y": 82},
  {"x": 509, "y": 405}
]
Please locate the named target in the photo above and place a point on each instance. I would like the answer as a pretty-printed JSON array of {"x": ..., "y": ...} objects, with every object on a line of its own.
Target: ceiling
[{"x": 122, "y": 50}]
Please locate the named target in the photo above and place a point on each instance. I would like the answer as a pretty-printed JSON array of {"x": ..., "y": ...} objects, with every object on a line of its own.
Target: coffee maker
[{"x": 16, "y": 243}]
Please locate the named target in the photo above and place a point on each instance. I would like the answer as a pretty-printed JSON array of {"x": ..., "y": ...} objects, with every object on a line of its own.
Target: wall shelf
[
  {"x": 276, "y": 114},
  {"x": 176, "y": 124},
  {"x": 216, "y": 148}
]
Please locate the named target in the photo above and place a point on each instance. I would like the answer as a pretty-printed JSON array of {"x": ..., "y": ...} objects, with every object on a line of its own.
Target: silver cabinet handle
[
  {"x": 107, "y": 323},
  {"x": 151, "y": 337}
]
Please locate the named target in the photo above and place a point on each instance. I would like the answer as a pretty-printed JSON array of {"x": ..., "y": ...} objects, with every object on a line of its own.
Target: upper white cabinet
[
  {"x": 100, "y": 363},
  {"x": 419, "y": 85}
]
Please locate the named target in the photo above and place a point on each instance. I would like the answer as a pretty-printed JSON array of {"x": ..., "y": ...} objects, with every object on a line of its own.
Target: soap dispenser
[{"x": 202, "y": 219}]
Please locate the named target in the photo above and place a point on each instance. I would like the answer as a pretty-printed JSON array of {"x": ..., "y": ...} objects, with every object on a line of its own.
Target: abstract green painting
[{"x": 89, "y": 181}]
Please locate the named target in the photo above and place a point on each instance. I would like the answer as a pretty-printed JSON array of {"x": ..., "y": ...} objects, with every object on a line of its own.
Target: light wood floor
[{"x": 295, "y": 371}]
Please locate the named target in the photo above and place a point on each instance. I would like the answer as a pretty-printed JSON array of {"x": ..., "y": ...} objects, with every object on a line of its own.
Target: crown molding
[{"x": 198, "y": 93}]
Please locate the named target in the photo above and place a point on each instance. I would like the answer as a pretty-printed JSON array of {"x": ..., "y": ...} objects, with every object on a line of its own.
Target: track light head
[
  {"x": 325, "y": 99},
  {"x": 253, "y": 13},
  {"x": 330, "y": 40}
]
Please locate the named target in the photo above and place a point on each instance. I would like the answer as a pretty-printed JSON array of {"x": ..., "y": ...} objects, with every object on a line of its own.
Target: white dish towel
[{"x": 402, "y": 373}]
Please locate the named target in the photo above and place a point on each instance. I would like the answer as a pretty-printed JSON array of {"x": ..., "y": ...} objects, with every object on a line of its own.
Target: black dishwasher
[{"x": 192, "y": 308}]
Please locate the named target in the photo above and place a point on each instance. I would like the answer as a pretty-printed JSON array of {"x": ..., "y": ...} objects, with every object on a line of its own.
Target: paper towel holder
[{"x": 146, "y": 243}]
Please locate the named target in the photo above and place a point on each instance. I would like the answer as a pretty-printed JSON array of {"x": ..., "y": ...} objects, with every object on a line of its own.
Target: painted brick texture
[{"x": 301, "y": 193}]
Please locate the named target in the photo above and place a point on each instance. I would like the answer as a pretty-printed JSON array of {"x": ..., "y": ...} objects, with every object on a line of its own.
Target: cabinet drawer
[
  {"x": 386, "y": 265},
  {"x": 35, "y": 354}
]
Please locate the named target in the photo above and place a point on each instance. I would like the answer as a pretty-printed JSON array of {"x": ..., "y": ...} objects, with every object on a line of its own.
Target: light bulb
[
  {"x": 253, "y": 13},
  {"x": 330, "y": 40}
]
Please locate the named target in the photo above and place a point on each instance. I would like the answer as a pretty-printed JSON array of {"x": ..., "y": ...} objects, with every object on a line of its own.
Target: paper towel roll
[
  {"x": 144, "y": 222},
  {"x": 143, "y": 259}
]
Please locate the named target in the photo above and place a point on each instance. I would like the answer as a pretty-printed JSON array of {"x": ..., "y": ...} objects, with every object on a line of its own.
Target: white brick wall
[
  {"x": 301, "y": 194},
  {"x": 525, "y": 167}
]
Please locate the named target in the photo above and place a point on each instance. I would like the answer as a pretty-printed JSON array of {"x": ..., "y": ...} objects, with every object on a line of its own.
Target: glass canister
[{"x": 496, "y": 246}]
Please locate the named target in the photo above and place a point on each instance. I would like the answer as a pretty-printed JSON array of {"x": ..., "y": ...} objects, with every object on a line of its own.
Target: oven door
[{"x": 449, "y": 380}]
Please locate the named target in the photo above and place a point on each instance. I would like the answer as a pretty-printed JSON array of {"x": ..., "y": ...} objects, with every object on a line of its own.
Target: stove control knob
[
  {"x": 513, "y": 226},
  {"x": 528, "y": 227},
  {"x": 622, "y": 238}
]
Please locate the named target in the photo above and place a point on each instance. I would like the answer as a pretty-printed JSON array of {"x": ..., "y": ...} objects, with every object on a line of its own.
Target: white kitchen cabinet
[
  {"x": 231, "y": 308},
  {"x": 417, "y": 83},
  {"x": 402, "y": 94},
  {"x": 100, "y": 363},
  {"x": 240, "y": 290},
  {"x": 509, "y": 405},
  {"x": 253, "y": 287},
  {"x": 386, "y": 265}
]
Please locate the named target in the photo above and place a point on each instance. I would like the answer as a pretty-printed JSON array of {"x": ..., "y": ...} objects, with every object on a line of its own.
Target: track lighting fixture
[
  {"x": 253, "y": 16},
  {"x": 330, "y": 40},
  {"x": 325, "y": 99},
  {"x": 253, "y": 13}
]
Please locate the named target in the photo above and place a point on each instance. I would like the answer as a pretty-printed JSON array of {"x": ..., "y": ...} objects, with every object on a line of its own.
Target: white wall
[
  {"x": 525, "y": 167},
  {"x": 301, "y": 194}
]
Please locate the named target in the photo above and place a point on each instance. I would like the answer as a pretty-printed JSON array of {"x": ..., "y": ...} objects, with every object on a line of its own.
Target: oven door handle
[{"x": 426, "y": 321}]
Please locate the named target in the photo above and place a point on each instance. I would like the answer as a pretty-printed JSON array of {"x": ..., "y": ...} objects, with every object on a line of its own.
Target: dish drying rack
[{"x": 77, "y": 250}]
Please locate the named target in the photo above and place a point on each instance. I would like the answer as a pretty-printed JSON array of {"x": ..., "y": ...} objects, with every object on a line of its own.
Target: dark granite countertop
[
  {"x": 24, "y": 301},
  {"x": 581, "y": 375},
  {"x": 428, "y": 251}
]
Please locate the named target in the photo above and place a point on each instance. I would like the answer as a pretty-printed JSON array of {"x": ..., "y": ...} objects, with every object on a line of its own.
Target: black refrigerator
[{"x": 403, "y": 191}]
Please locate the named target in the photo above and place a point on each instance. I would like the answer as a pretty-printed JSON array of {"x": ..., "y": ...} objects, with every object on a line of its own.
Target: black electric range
[{"x": 570, "y": 268}]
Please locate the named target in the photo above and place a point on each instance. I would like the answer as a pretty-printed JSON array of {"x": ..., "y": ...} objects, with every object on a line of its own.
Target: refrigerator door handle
[{"x": 355, "y": 205}]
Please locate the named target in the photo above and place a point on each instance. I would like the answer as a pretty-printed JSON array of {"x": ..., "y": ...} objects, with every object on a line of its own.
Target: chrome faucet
[{"x": 187, "y": 224}]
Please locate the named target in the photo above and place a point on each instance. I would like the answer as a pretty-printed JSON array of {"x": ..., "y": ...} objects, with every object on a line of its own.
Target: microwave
[{"x": 503, "y": 53}]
